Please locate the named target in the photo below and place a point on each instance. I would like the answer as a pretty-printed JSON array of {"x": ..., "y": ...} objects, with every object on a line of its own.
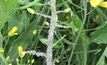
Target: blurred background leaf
[
  {"x": 99, "y": 36},
  {"x": 24, "y": 40},
  {"x": 6, "y": 8}
]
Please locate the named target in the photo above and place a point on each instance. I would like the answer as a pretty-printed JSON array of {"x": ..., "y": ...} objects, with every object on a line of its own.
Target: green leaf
[
  {"x": 67, "y": 41},
  {"x": 105, "y": 64},
  {"x": 3, "y": 58},
  {"x": 58, "y": 44},
  {"x": 76, "y": 21},
  {"x": 3, "y": 18},
  {"x": 101, "y": 14},
  {"x": 10, "y": 4},
  {"x": 99, "y": 36},
  {"x": 101, "y": 39},
  {"x": 75, "y": 24},
  {"x": 42, "y": 40},
  {"x": 5, "y": 8},
  {"x": 19, "y": 20},
  {"x": 101, "y": 61},
  {"x": 1, "y": 40},
  {"x": 24, "y": 40}
]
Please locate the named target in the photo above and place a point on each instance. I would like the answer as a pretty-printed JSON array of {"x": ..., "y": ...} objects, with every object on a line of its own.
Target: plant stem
[
  {"x": 79, "y": 33},
  {"x": 29, "y": 5},
  {"x": 51, "y": 33},
  {"x": 6, "y": 42},
  {"x": 3, "y": 59}
]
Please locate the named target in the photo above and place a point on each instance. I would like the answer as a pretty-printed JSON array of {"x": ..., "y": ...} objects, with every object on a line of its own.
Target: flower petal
[
  {"x": 12, "y": 32},
  {"x": 20, "y": 49},
  {"x": 103, "y": 4},
  {"x": 95, "y": 3}
]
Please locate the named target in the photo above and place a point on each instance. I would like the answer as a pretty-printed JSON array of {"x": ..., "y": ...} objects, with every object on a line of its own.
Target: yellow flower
[
  {"x": 103, "y": 4},
  {"x": 20, "y": 49},
  {"x": 96, "y": 3},
  {"x": 21, "y": 52},
  {"x": 12, "y": 32}
]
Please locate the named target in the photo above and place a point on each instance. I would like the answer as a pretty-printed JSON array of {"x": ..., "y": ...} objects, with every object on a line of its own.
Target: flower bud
[
  {"x": 67, "y": 10},
  {"x": 30, "y": 10}
]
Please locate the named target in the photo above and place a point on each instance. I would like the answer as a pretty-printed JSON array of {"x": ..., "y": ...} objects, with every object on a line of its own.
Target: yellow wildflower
[
  {"x": 103, "y": 4},
  {"x": 96, "y": 3},
  {"x": 12, "y": 32},
  {"x": 20, "y": 49},
  {"x": 21, "y": 52}
]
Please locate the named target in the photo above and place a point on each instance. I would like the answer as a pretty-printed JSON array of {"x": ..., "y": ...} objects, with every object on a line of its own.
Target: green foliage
[
  {"x": 99, "y": 36},
  {"x": 82, "y": 40},
  {"x": 5, "y": 8},
  {"x": 21, "y": 20},
  {"x": 23, "y": 40},
  {"x": 101, "y": 61},
  {"x": 1, "y": 40}
]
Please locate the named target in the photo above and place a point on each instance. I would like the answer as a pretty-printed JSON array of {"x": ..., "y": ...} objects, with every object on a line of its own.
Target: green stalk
[
  {"x": 85, "y": 47},
  {"x": 29, "y": 5},
  {"x": 75, "y": 43},
  {"x": 6, "y": 42},
  {"x": 4, "y": 60}
]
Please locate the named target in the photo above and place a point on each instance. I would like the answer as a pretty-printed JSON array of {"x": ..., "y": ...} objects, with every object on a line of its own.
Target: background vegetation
[{"x": 79, "y": 39}]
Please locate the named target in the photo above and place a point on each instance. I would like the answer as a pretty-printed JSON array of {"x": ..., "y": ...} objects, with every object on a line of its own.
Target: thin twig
[
  {"x": 60, "y": 11},
  {"x": 33, "y": 52},
  {"x": 29, "y": 5},
  {"x": 61, "y": 26},
  {"x": 59, "y": 40},
  {"x": 42, "y": 15}
]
